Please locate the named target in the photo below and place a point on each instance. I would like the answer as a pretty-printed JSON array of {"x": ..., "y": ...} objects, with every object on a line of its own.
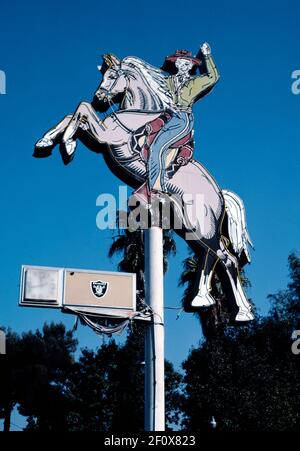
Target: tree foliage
[
  {"x": 247, "y": 377},
  {"x": 36, "y": 367}
]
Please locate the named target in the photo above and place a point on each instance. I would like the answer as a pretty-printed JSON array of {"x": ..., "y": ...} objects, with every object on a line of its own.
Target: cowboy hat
[{"x": 169, "y": 64}]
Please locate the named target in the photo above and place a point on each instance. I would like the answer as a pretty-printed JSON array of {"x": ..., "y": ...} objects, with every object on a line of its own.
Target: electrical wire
[
  {"x": 93, "y": 321},
  {"x": 101, "y": 329}
]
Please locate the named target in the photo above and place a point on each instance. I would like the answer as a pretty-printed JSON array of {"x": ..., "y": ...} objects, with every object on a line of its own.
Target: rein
[
  {"x": 136, "y": 156},
  {"x": 111, "y": 102}
]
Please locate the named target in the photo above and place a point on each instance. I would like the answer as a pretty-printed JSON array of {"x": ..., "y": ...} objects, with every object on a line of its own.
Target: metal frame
[{"x": 109, "y": 311}]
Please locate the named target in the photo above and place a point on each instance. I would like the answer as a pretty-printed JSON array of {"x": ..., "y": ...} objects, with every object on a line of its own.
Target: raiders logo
[{"x": 99, "y": 288}]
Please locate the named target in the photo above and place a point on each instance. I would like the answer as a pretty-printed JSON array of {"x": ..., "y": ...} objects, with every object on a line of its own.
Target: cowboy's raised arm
[
  {"x": 212, "y": 71},
  {"x": 206, "y": 81}
]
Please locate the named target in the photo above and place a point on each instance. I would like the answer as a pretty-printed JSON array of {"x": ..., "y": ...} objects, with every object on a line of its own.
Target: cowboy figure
[{"x": 177, "y": 125}]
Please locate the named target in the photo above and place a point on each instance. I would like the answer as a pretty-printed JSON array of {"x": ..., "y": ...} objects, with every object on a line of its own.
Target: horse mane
[{"x": 154, "y": 79}]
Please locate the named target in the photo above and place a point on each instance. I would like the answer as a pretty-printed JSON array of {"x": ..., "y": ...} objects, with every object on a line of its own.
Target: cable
[
  {"x": 107, "y": 329},
  {"x": 154, "y": 376},
  {"x": 100, "y": 329}
]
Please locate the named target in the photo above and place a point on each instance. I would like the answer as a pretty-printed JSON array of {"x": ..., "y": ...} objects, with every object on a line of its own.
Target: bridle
[
  {"x": 119, "y": 72},
  {"x": 111, "y": 103}
]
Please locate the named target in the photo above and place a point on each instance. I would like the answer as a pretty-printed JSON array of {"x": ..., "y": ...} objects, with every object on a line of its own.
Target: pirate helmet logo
[{"x": 99, "y": 288}]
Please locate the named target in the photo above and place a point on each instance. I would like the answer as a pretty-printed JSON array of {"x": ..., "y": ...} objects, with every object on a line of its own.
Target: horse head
[{"x": 114, "y": 81}]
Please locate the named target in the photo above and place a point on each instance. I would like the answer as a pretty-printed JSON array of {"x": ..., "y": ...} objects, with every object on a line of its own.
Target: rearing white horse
[{"x": 220, "y": 236}]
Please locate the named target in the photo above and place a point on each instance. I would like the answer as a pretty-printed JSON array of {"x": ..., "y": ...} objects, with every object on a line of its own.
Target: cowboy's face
[{"x": 183, "y": 65}]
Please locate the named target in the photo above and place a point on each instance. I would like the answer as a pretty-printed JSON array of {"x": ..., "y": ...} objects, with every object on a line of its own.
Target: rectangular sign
[
  {"x": 78, "y": 289},
  {"x": 95, "y": 289}
]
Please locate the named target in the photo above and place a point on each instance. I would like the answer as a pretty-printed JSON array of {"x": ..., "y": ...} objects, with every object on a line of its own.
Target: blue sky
[{"x": 247, "y": 135}]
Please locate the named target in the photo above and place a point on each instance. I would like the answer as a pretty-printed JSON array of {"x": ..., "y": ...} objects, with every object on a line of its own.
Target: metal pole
[{"x": 154, "y": 336}]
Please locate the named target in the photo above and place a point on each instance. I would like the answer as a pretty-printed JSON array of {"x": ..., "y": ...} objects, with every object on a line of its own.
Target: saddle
[{"x": 144, "y": 137}]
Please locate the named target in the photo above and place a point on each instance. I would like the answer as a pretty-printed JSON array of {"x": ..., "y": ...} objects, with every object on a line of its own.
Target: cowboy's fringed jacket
[{"x": 194, "y": 87}]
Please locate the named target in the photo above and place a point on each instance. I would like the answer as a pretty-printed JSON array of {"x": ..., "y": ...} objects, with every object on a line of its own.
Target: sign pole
[{"x": 154, "y": 335}]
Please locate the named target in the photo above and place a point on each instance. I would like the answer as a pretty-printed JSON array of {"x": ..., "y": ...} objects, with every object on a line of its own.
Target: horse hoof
[
  {"x": 70, "y": 146},
  {"x": 44, "y": 142},
  {"x": 67, "y": 150},
  {"x": 244, "y": 317},
  {"x": 42, "y": 152},
  {"x": 203, "y": 301},
  {"x": 43, "y": 148}
]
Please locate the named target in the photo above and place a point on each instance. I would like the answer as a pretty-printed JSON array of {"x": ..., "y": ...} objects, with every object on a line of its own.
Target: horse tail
[{"x": 236, "y": 226}]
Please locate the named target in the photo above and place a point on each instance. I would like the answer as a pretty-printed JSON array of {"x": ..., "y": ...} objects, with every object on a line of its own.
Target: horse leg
[
  {"x": 207, "y": 262},
  {"x": 210, "y": 249},
  {"x": 93, "y": 129},
  {"x": 230, "y": 279},
  {"x": 197, "y": 223},
  {"x": 44, "y": 146},
  {"x": 196, "y": 232}
]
